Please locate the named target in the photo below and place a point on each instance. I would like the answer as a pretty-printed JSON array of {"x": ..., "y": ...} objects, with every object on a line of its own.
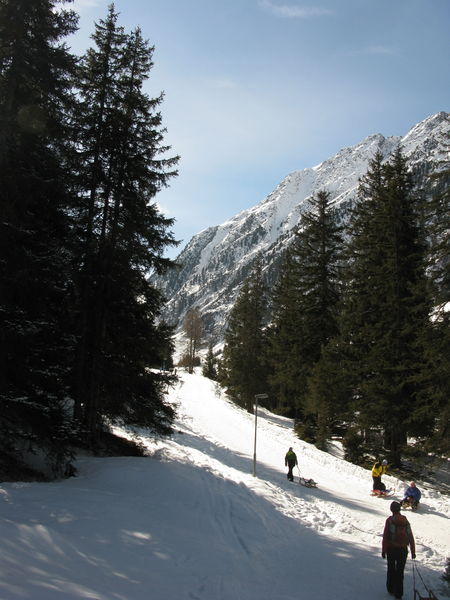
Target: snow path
[{"x": 192, "y": 523}]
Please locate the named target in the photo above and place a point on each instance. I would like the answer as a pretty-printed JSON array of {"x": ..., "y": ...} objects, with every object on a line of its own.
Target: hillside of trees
[
  {"x": 82, "y": 157},
  {"x": 354, "y": 340}
]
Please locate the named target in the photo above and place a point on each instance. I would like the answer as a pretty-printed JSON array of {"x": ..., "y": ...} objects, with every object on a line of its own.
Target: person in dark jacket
[
  {"x": 397, "y": 536},
  {"x": 290, "y": 460}
]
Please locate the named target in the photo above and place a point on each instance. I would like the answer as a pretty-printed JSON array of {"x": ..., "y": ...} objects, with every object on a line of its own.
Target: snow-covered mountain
[{"x": 216, "y": 261}]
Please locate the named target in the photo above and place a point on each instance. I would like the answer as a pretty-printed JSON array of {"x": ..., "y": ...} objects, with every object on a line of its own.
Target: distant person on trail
[
  {"x": 290, "y": 460},
  {"x": 397, "y": 536},
  {"x": 412, "y": 496},
  {"x": 379, "y": 469}
]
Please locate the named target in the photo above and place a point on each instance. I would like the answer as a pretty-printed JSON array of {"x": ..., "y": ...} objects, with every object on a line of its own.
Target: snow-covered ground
[{"x": 190, "y": 522}]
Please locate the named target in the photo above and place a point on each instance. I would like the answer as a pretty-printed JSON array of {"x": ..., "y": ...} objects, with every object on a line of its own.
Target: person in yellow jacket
[{"x": 379, "y": 469}]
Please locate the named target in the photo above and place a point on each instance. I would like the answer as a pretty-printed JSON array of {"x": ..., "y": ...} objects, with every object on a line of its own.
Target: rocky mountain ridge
[{"x": 216, "y": 261}]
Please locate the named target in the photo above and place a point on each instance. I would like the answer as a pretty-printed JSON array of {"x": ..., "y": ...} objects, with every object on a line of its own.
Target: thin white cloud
[
  {"x": 380, "y": 50},
  {"x": 291, "y": 11},
  {"x": 80, "y": 5},
  {"x": 224, "y": 83}
]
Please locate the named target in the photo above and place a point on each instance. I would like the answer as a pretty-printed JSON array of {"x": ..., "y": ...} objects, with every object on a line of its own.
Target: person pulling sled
[
  {"x": 397, "y": 536},
  {"x": 290, "y": 461}
]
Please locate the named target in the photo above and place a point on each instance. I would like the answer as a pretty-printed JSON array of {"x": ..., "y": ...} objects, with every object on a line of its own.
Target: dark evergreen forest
[{"x": 82, "y": 157}]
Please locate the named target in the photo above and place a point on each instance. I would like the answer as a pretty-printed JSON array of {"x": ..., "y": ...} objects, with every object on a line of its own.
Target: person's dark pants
[
  {"x": 378, "y": 484},
  {"x": 290, "y": 474},
  {"x": 396, "y": 560}
]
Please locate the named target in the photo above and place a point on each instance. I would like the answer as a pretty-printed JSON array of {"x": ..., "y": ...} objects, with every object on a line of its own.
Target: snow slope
[{"x": 190, "y": 522}]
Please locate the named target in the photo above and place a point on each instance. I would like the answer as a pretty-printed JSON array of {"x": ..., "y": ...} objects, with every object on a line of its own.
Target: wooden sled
[{"x": 307, "y": 482}]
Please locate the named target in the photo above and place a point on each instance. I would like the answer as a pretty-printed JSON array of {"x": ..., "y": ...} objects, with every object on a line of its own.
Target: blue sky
[{"x": 255, "y": 89}]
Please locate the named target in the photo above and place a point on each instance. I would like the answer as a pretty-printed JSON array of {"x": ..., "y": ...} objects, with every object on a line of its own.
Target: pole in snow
[{"x": 257, "y": 397}]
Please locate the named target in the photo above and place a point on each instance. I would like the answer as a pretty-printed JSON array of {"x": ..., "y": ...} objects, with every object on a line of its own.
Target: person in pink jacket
[{"x": 397, "y": 536}]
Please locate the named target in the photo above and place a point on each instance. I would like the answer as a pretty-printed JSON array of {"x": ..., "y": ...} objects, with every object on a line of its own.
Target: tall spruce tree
[
  {"x": 386, "y": 304},
  {"x": 327, "y": 394},
  {"x": 122, "y": 235},
  {"x": 439, "y": 342},
  {"x": 305, "y": 304},
  {"x": 193, "y": 328},
  {"x": 210, "y": 366},
  {"x": 285, "y": 368},
  {"x": 35, "y": 94},
  {"x": 243, "y": 370}
]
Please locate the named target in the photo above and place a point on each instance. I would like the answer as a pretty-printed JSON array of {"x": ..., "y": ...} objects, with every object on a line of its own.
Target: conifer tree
[
  {"x": 327, "y": 393},
  {"x": 285, "y": 367},
  {"x": 305, "y": 303},
  {"x": 386, "y": 304},
  {"x": 243, "y": 369},
  {"x": 438, "y": 347},
  {"x": 210, "y": 367},
  {"x": 122, "y": 234},
  {"x": 193, "y": 329},
  {"x": 35, "y": 95}
]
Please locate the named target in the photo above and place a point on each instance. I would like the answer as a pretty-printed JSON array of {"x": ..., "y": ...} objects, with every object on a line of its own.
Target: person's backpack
[{"x": 400, "y": 531}]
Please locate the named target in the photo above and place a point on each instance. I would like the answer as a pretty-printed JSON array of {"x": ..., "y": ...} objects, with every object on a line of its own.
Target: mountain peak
[{"x": 217, "y": 260}]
